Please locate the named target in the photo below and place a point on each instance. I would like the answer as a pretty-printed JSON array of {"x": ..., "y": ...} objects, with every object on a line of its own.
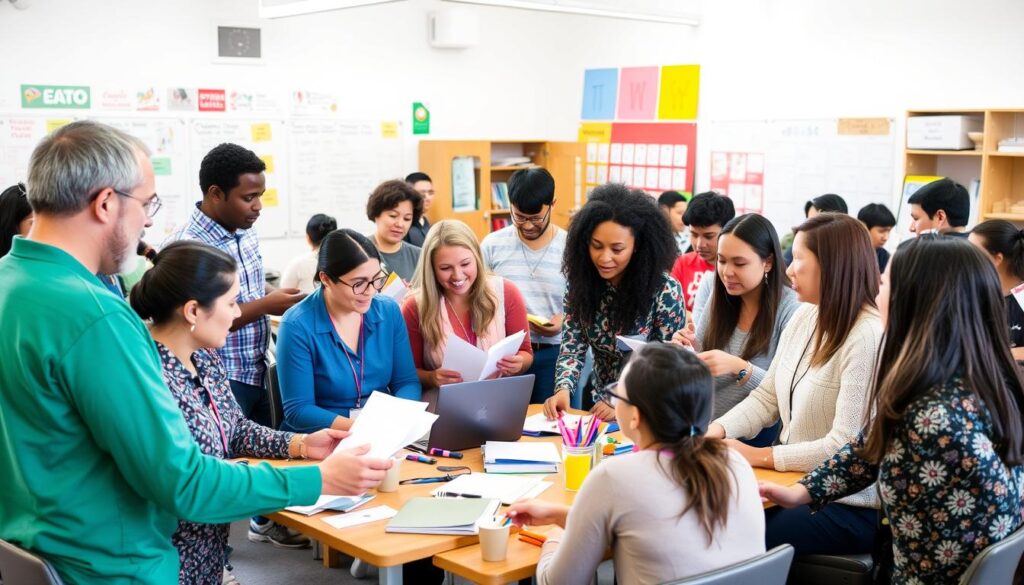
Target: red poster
[
  {"x": 212, "y": 100},
  {"x": 653, "y": 157},
  {"x": 740, "y": 175}
]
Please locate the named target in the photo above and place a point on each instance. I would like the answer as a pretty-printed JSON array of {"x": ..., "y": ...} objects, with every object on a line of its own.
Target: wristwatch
[{"x": 743, "y": 373}]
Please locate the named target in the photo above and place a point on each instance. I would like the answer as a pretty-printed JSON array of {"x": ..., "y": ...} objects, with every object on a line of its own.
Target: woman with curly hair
[{"x": 617, "y": 256}]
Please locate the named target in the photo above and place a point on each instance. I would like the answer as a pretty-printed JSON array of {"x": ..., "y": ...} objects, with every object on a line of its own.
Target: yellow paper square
[
  {"x": 680, "y": 88},
  {"x": 595, "y": 132},
  {"x": 389, "y": 129},
  {"x": 261, "y": 132},
  {"x": 52, "y": 125},
  {"x": 269, "y": 161},
  {"x": 269, "y": 198}
]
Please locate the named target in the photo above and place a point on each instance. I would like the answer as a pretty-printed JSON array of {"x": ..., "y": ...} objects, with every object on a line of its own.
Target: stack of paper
[
  {"x": 506, "y": 488},
  {"x": 520, "y": 457},
  {"x": 474, "y": 363},
  {"x": 337, "y": 503},
  {"x": 538, "y": 424},
  {"x": 443, "y": 515},
  {"x": 388, "y": 424},
  {"x": 394, "y": 288}
]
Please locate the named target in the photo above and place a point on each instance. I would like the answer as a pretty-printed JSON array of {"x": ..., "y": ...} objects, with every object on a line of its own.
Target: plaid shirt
[{"x": 245, "y": 351}]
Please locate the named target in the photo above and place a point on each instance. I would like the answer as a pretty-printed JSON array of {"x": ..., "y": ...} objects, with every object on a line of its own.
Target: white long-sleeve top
[
  {"x": 821, "y": 410},
  {"x": 629, "y": 504}
]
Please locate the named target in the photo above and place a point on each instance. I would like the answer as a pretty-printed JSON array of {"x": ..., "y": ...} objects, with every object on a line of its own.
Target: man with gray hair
[{"x": 97, "y": 461}]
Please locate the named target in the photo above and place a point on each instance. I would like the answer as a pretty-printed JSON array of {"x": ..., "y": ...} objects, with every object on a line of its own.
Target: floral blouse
[
  {"x": 221, "y": 430},
  {"x": 667, "y": 315},
  {"x": 945, "y": 491}
]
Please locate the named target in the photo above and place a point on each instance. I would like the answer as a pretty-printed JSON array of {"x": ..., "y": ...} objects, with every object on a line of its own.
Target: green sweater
[{"x": 97, "y": 463}]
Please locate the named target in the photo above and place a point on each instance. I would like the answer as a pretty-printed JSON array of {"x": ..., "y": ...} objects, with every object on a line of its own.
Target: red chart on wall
[
  {"x": 740, "y": 175},
  {"x": 653, "y": 157}
]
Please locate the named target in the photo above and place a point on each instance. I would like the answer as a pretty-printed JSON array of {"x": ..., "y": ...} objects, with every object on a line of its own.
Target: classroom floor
[{"x": 264, "y": 564}]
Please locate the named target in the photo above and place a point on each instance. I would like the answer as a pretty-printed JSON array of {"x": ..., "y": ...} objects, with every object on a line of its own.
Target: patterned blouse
[
  {"x": 667, "y": 315},
  {"x": 945, "y": 491},
  {"x": 221, "y": 430}
]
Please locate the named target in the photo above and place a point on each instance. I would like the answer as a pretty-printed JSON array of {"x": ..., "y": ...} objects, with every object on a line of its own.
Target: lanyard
[
  {"x": 358, "y": 380},
  {"x": 216, "y": 415}
]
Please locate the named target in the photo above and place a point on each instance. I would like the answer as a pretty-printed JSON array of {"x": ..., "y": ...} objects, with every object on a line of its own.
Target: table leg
[
  {"x": 390, "y": 575},
  {"x": 332, "y": 558}
]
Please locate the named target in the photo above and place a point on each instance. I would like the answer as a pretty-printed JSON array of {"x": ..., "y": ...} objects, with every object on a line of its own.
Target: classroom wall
[{"x": 759, "y": 58}]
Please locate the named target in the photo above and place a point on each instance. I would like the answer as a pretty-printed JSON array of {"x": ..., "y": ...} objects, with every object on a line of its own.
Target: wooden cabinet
[
  {"x": 1001, "y": 192},
  {"x": 563, "y": 160}
]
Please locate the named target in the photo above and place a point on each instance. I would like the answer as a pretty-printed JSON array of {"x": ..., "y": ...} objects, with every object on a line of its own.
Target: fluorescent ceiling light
[
  {"x": 284, "y": 8},
  {"x": 650, "y": 10}
]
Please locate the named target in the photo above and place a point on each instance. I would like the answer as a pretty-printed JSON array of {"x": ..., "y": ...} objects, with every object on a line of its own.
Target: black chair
[
  {"x": 831, "y": 569},
  {"x": 20, "y": 567},
  {"x": 767, "y": 569},
  {"x": 274, "y": 398}
]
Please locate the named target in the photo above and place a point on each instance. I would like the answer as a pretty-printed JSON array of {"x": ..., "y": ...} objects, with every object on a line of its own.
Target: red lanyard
[
  {"x": 216, "y": 418},
  {"x": 362, "y": 363}
]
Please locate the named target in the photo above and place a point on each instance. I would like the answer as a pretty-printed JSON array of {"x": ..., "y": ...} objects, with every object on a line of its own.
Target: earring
[
  {"x": 192, "y": 329},
  {"x": 766, "y": 278}
]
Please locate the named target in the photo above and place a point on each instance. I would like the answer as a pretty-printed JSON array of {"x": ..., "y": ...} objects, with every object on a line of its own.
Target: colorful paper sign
[
  {"x": 161, "y": 166},
  {"x": 69, "y": 97},
  {"x": 420, "y": 119},
  {"x": 680, "y": 88},
  {"x": 595, "y": 132},
  {"x": 600, "y": 86},
  {"x": 268, "y": 160},
  {"x": 212, "y": 100},
  {"x": 638, "y": 93},
  {"x": 147, "y": 100},
  {"x": 261, "y": 132},
  {"x": 270, "y": 198},
  {"x": 52, "y": 125},
  {"x": 181, "y": 99},
  {"x": 389, "y": 129}
]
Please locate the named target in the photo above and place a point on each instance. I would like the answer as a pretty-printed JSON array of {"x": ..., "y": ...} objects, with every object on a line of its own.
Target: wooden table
[{"x": 522, "y": 558}]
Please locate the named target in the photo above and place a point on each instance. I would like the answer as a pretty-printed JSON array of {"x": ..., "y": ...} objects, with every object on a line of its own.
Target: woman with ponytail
[
  {"x": 190, "y": 297},
  {"x": 301, "y": 272},
  {"x": 698, "y": 508},
  {"x": 1005, "y": 246}
]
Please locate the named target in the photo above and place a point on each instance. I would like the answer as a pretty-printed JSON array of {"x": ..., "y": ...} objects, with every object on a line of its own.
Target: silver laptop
[{"x": 472, "y": 413}]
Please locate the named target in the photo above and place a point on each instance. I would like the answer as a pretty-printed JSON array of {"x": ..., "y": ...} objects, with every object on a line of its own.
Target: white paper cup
[
  {"x": 390, "y": 483},
  {"x": 493, "y": 541}
]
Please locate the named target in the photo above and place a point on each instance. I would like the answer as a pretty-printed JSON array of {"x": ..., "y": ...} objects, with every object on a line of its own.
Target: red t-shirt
[
  {"x": 689, "y": 270},
  {"x": 515, "y": 320}
]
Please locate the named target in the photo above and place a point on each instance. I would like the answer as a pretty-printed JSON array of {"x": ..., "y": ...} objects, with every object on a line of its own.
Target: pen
[
  {"x": 534, "y": 535},
  {"x": 421, "y": 458},
  {"x": 529, "y": 540},
  {"x": 445, "y": 453},
  {"x": 455, "y": 495}
]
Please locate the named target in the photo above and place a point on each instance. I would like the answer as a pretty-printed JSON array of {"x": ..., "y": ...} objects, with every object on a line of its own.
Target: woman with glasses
[
  {"x": 453, "y": 294},
  {"x": 190, "y": 298},
  {"x": 342, "y": 342},
  {"x": 699, "y": 509}
]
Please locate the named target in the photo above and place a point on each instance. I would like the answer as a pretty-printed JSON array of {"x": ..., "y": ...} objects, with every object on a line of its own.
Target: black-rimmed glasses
[
  {"x": 537, "y": 221},
  {"x": 609, "y": 397},
  {"x": 360, "y": 288}
]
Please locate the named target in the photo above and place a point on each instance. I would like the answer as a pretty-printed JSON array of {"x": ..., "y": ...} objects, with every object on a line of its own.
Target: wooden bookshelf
[
  {"x": 562, "y": 159},
  {"x": 1001, "y": 173}
]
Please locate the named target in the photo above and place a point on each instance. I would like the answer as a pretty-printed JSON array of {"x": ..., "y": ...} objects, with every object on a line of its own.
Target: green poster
[
  {"x": 161, "y": 166},
  {"x": 420, "y": 119},
  {"x": 74, "y": 97}
]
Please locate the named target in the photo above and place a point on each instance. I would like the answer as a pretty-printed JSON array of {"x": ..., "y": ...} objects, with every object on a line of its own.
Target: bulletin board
[
  {"x": 776, "y": 166},
  {"x": 652, "y": 157}
]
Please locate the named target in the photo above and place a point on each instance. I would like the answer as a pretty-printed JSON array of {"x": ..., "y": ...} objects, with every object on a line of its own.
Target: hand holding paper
[
  {"x": 474, "y": 363},
  {"x": 387, "y": 424}
]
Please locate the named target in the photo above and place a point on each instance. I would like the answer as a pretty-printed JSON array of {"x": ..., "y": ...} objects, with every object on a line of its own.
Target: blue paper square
[{"x": 600, "y": 89}]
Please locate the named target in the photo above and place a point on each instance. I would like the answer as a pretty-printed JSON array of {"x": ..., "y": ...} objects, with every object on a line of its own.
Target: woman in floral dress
[
  {"x": 190, "y": 296},
  {"x": 945, "y": 445}
]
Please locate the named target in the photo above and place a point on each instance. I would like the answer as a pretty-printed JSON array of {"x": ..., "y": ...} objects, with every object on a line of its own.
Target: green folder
[{"x": 442, "y": 515}]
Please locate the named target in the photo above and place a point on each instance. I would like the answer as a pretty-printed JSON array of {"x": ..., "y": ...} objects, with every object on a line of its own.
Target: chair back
[
  {"x": 771, "y": 568},
  {"x": 997, "y": 563},
  {"x": 274, "y": 398},
  {"x": 20, "y": 567}
]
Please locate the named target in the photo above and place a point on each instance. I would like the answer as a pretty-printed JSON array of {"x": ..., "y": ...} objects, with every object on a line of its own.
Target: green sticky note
[
  {"x": 161, "y": 166},
  {"x": 420, "y": 119}
]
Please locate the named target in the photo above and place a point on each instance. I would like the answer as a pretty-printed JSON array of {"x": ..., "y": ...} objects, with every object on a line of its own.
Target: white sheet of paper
[
  {"x": 633, "y": 344},
  {"x": 388, "y": 424},
  {"x": 539, "y": 423},
  {"x": 395, "y": 290},
  {"x": 464, "y": 358},
  {"x": 355, "y": 518},
  {"x": 505, "y": 348}
]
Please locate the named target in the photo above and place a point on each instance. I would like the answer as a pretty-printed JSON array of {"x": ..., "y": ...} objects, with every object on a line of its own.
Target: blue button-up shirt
[
  {"x": 315, "y": 367},
  {"x": 244, "y": 354}
]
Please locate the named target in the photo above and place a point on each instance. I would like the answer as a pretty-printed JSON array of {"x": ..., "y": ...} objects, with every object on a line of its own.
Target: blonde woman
[{"x": 454, "y": 295}]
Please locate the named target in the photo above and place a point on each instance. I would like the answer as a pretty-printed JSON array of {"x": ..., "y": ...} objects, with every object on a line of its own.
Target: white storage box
[{"x": 942, "y": 132}]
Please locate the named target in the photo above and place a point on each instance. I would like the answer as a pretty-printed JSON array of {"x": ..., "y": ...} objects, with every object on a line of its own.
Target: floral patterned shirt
[
  {"x": 667, "y": 315},
  {"x": 221, "y": 430},
  {"x": 945, "y": 491}
]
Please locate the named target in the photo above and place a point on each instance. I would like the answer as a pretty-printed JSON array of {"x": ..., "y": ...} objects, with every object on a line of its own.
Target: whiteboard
[
  {"x": 807, "y": 158},
  {"x": 18, "y": 136}
]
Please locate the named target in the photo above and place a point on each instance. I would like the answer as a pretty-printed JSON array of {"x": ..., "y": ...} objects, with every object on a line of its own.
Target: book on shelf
[
  {"x": 499, "y": 195},
  {"x": 513, "y": 161}
]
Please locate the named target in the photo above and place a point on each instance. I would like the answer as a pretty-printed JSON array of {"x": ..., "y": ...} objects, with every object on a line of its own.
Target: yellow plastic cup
[{"x": 578, "y": 461}]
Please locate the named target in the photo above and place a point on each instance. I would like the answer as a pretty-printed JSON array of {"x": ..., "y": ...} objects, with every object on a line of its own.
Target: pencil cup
[
  {"x": 578, "y": 461},
  {"x": 390, "y": 483},
  {"x": 493, "y": 541}
]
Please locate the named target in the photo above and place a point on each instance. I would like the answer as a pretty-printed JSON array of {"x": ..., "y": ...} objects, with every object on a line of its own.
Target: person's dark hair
[
  {"x": 183, "y": 271},
  {"x": 670, "y": 198},
  {"x": 947, "y": 318},
  {"x": 876, "y": 215},
  {"x": 947, "y": 195},
  {"x": 14, "y": 208},
  {"x": 342, "y": 251},
  {"x": 223, "y": 165},
  {"x": 388, "y": 195},
  {"x": 319, "y": 226},
  {"x": 849, "y": 277},
  {"x": 1002, "y": 237},
  {"x": 674, "y": 392},
  {"x": 759, "y": 234},
  {"x": 827, "y": 203},
  {"x": 531, "y": 189},
  {"x": 708, "y": 209},
  {"x": 413, "y": 178},
  {"x": 654, "y": 251}
]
